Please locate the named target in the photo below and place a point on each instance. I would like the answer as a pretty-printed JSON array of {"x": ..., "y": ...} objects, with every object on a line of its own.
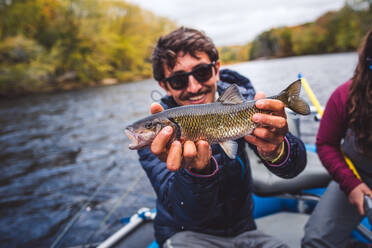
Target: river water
[{"x": 66, "y": 173}]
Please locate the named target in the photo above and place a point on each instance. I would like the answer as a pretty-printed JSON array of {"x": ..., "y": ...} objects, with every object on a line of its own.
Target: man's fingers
[
  {"x": 250, "y": 139},
  {"x": 262, "y": 146},
  {"x": 270, "y": 120},
  {"x": 189, "y": 151},
  {"x": 260, "y": 143},
  {"x": 259, "y": 95},
  {"x": 265, "y": 134},
  {"x": 204, "y": 154},
  {"x": 160, "y": 142},
  {"x": 156, "y": 108},
  {"x": 174, "y": 156},
  {"x": 270, "y": 104}
]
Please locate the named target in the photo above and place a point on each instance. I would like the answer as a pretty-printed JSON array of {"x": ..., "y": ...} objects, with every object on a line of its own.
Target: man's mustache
[{"x": 200, "y": 92}]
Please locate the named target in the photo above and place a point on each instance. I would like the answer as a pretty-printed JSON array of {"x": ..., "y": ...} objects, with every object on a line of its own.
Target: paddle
[{"x": 367, "y": 204}]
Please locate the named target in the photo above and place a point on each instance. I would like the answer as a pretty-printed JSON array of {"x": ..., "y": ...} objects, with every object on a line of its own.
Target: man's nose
[{"x": 194, "y": 86}]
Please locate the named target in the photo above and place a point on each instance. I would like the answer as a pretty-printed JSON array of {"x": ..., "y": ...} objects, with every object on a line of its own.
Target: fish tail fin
[{"x": 292, "y": 100}]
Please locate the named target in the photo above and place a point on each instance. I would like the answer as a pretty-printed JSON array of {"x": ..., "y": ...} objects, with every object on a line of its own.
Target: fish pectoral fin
[
  {"x": 230, "y": 147},
  {"x": 231, "y": 95}
]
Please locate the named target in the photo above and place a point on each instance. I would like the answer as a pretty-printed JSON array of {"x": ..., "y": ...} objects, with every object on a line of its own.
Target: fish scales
[{"x": 214, "y": 122}]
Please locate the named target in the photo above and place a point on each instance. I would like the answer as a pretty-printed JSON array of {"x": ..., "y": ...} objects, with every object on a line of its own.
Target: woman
[{"x": 345, "y": 128}]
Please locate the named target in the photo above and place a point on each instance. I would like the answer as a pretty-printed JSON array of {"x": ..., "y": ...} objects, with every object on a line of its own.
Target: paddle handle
[{"x": 367, "y": 204}]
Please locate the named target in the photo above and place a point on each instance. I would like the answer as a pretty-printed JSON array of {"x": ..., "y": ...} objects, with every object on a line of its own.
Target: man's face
[{"x": 194, "y": 92}]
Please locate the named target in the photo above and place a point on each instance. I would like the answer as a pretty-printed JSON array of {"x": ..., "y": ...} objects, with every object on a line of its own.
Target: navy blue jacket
[{"x": 220, "y": 204}]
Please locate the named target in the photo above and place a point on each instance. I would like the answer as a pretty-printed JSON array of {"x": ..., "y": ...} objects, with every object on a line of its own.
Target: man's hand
[
  {"x": 356, "y": 196},
  {"x": 269, "y": 135},
  {"x": 186, "y": 154}
]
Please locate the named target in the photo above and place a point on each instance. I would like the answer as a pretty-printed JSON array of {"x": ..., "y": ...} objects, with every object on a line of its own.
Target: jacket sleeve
[
  {"x": 181, "y": 192},
  {"x": 331, "y": 131},
  {"x": 295, "y": 161}
]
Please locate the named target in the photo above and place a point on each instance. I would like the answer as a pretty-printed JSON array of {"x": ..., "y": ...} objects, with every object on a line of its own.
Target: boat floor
[
  {"x": 272, "y": 224},
  {"x": 143, "y": 236},
  {"x": 285, "y": 226}
]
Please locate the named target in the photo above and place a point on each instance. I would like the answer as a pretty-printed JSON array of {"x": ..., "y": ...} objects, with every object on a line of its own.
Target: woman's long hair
[{"x": 360, "y": 98}]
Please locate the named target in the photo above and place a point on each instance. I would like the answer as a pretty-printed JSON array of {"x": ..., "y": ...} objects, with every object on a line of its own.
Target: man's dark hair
[{"x": 182, "y": 40}]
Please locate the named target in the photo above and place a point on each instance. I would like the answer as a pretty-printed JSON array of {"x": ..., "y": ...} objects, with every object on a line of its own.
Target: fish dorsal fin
[
  {"x": 231, "y": 95},
  {"x": 230, "y": 147}
]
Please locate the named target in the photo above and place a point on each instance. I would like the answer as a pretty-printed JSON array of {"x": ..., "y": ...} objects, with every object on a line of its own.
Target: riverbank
[
  {"x": 58, "y": 87},
  {"x": 68, "y": 82}
]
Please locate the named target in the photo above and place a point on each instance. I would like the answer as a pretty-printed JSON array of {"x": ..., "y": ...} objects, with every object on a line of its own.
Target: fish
[{"x": 220, "y": 122}]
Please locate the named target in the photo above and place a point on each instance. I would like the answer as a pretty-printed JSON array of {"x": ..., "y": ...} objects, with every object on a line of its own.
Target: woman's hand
[{"x": 356, "y": 196}]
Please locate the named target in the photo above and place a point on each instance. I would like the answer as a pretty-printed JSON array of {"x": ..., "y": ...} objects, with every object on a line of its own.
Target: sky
[{"x": 236, "y": 22}]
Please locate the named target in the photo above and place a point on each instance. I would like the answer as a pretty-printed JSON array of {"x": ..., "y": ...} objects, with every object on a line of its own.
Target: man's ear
[{"x": 165, "y": 87}]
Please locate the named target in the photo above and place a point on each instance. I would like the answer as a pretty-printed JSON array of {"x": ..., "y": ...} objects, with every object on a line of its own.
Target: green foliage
[
  {"x": 61, "y": 44},
  {"x": 23, "y": 78},
  {"x": 338, "y": 31},
  {"x": 18, "y": 49},
  {"x": 22, "y": 67},
  {"x": 232, "y": 54}
]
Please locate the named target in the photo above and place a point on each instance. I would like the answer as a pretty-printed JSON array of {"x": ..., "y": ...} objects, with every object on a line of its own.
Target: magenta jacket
[{"x": 332, "y": 130}]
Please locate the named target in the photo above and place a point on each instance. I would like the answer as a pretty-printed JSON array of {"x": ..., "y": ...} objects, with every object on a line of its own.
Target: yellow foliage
[{"x": 48, "y": 44}]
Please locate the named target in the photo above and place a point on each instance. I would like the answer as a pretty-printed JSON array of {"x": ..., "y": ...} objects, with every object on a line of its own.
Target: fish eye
[{"x": 148, "y": 124}]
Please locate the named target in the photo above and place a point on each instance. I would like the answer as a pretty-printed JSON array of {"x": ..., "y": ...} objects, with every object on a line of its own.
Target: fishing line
[
  {"x": 117, "y": 204},
  {"x": 77, "y": 215}
]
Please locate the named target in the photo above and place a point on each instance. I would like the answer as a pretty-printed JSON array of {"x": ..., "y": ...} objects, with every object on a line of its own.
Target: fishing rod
[
  {"x": 116, "y": 205},
  {"x": 57, "y": 241}
]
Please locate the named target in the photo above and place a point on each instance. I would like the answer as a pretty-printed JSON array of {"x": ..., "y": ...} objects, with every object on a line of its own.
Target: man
[{"x": 204, "y": 198}]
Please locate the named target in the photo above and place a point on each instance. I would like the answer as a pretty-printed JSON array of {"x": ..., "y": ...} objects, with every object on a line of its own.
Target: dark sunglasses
[{"x": 202, "y": 73}]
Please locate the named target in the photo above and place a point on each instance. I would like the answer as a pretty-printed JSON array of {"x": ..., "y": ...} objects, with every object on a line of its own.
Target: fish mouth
[
  {"x": 133, "y": 139},
  {"x": 138, "y": 140}
]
